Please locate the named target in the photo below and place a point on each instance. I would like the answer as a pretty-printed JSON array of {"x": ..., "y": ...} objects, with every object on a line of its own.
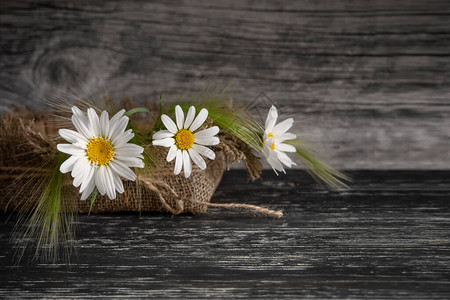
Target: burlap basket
[{"x": 25, "y": 143}]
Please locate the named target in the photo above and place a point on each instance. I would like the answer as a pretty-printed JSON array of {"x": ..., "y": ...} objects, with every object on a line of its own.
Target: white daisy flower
[
  {"x": 186, "y": 144},
  {"x": 274, "y": 135},
  {"x": 100, "y": 152}
]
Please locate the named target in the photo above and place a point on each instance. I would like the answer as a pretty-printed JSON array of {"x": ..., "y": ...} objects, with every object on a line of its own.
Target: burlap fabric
[{"x": 26, "y": 144}]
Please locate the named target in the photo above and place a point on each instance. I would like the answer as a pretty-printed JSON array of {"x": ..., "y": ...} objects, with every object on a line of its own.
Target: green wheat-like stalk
[
  {"x": 317, "y": 168},
  {"x": 49, "y": 222}
]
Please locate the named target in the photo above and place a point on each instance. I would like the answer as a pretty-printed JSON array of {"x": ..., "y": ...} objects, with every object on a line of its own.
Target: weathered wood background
[{"x": 370, "y": 80}]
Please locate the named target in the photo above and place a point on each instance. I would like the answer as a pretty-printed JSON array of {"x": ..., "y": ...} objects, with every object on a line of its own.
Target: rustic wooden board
[
  {"x": 370, "y": 80},
  {"x": 389, "y": 238}
]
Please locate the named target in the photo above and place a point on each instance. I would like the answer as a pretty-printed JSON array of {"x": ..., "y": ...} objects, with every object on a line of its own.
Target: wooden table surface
[{"x": 387, "y": 238}]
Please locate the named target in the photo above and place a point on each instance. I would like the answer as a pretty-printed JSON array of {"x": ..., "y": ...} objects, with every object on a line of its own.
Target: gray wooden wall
[{"x": 367, "y": 79}]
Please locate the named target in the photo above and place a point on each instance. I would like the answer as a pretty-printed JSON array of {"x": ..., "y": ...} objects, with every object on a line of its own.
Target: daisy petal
[
  {"x": 104, "y": 123},
  {"x": 87, "y": 180},
  {"x": 94, "y": 122},
  {"x": 189, "y": 117},
  {"x": 199, "y": 120},
  {"x": 271, "y": 119},
  {"x": 284, "y": 159},
  {"x": 162, "y": 134},
  {"x": 130, "y": 161},
  {"x": 282, "y": 127},
  {"x": 119, "y": 128},
  {"x": 129, "y": 150},
  {"x": 204, "y": 151},
  {"x": 85, "y": 169},
  {"x": 167, "y": 142},
  {"x": 286, "y": 136},
  {"x": 172, "y": 153},
  {"x": 197, "y": 159},
  {"x": 269, "y": 141},
  {"x": 80, "y": 115},
  {"x": 77, "y": 181},
  {"x": 123, "y": 138},
  {"x": 90, "y": 187},
  {"x": 71, "y": 136},
  {"x": 187, "y": 165},
  {"x": 109, "y": 181},
  {"x": 205, "y": 133},
  {"x": 118, "y": 184},
  {"x": 113, "y": 122},
  {"x": 122, "y": 170},
  {"x": 209, "y": 141},
  {"x": 285, "y": 147},
  {"x": 178, "y": 163},
  {"x": 275, "y": 163},
  {"x": 100, "y": 180},
  {"x": 266, "y": 152},
  {"x": 179, "y": 116},
  {"x": 81, "y": 168},
  {"x": 170, "y": 125},
  {"x": 68, "y": 164},
  {"x": 81, "y": 127},
  {"x": 70, "y": 149}
]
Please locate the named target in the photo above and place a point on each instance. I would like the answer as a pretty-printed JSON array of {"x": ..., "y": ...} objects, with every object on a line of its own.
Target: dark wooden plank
[
  {"x": 368, "y": 79},
  {"x": 388, "y": 238}
]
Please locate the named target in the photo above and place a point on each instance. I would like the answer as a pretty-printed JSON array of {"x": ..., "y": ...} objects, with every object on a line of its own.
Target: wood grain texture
[
  {"x": 389, "y": 238},
  {"x": 367, "y": 79}
]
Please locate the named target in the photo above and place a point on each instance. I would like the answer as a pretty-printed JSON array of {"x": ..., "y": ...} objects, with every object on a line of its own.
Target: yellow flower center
[
  {"x": 184, "y": 139},
  {"x": 270, "y": 134},
  {"x": 99, "y": 151}
]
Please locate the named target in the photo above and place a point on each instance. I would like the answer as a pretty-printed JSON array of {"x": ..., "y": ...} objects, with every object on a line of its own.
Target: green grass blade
[
  {"x": 136, "y": 110},
  {"x": 94, "y": 196},
  {"x": 318, "y": 169},
  {"x": 49, "y": 224}
]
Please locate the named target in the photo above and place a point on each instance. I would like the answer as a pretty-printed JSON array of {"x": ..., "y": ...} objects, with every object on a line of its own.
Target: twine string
[{"x": 150, "y": 183}]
